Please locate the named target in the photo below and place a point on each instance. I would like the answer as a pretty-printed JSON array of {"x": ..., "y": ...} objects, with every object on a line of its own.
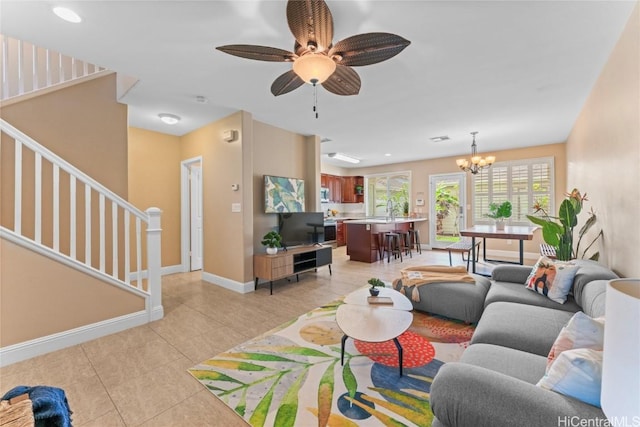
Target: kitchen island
[{"x": 363, "y": 235}]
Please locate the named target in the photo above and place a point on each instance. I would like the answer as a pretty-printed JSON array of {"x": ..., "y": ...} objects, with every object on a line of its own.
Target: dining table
[{"x": 520, "y": 233}]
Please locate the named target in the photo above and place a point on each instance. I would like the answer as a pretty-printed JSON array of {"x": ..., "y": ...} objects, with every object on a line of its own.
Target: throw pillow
[
  {"x": 582, "y": 331},
  {"x": 576, "y": 373},
  {"x": 552, "y": 279}
]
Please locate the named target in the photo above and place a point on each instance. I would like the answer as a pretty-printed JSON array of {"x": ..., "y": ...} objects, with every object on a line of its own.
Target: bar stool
[
  {"x": 405, "y": 242},
  {"x": 391, "y": 245},
  {"x": 414, "y": 239}
]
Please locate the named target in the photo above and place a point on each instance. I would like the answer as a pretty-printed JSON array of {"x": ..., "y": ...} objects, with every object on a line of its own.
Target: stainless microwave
[{"x": 324, "y": 195}]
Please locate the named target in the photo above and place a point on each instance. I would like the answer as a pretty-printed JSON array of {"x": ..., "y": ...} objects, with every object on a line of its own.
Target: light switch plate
[{"x": 235, "y": 207}]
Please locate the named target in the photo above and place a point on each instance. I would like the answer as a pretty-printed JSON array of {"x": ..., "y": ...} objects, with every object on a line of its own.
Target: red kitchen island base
[{"x": 363, "y": 241}]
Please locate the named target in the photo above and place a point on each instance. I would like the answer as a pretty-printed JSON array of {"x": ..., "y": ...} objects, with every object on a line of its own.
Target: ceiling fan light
[{"x": 314, "y": 66}]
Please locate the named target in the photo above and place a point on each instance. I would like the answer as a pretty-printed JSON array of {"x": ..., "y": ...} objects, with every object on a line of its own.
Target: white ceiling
[{"x": 516, "y": 71}]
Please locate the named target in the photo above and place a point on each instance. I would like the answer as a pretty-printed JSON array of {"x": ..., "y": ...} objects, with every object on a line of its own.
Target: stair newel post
[{"x": 154, "y": 263}]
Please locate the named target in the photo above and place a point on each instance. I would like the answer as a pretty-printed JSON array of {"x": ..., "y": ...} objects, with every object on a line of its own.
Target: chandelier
[{"x": 477, "y": 162}]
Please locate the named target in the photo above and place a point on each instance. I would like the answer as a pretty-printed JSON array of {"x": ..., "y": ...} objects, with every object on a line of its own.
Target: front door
[{"x": 447, "y": 208}]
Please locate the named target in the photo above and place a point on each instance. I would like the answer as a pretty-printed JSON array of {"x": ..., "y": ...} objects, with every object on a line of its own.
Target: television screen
[
  {"x": 283, "y": 194},
  {"x": 301, "y": 228}
]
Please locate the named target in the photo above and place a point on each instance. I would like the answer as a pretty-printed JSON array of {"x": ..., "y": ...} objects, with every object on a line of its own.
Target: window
[
  {"x": 523, "y": 182},
  {"x": 385, "y": 187}
]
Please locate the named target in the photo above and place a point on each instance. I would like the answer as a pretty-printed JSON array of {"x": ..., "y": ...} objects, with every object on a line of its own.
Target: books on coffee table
[{"x": 379, "y": 300}]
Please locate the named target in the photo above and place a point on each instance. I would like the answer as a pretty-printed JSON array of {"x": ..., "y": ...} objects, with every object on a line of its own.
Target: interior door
[
  {"x": 195, "y": 195},
  {"x": 447, "y": 208}
]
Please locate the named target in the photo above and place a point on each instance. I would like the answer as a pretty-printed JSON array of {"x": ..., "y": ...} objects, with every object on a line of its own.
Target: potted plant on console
[
  {"x": 375, "y": 283},
  {"x": 500, "y": 212},
  {"x": 272, "y": 241}
]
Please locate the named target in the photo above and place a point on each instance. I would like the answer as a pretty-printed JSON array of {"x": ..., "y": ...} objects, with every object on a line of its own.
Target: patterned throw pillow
[
  {"x": 576, "y": 373},
  {"x": 582, "y": 331},
  {"x": 552, "y": 279}
]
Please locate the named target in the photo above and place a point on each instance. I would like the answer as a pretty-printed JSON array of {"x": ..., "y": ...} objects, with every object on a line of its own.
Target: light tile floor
[{"x": 139, "y": 376}]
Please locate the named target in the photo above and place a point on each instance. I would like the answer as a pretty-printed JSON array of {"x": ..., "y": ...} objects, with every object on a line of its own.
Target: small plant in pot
[
  {"x": 272, "y": 241},
  {"x": 500, "y": 212},
  {"x": 375, "y": 283}
]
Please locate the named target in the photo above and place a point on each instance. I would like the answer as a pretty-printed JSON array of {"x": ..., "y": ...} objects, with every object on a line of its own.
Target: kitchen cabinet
[
  {"x": 335, "y": 188},
  {"x": 341, "y": 237},
  {"x": 342, "y": 189},
  {"x": 349, "y": 192}
]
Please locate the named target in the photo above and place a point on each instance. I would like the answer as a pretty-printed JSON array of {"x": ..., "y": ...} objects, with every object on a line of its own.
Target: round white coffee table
[{"x": 374, "y": 322}]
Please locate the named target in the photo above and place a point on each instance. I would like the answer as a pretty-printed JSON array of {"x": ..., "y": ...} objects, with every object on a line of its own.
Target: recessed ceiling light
[
  {"x": 440, "y": 138},
  {"x": 201, "y": 99},
  {"x": 170, "y": 119},
  {"x": 67, "y": 14},
  {"x": 387, "y": 154},
  {"x": 325, "y": 139}
]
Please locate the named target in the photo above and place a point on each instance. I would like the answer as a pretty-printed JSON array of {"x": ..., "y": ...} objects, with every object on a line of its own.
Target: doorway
[
  {"x": 191, "y": 214},
  {"x": 447, "y": 201}
]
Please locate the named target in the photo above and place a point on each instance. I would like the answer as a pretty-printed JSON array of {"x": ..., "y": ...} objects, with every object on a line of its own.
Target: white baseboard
[
  {"x": 36, "y": 347},
  {"x": 232, "y": 285}
]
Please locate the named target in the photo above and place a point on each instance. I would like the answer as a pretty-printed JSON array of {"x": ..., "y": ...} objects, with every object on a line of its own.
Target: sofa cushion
[
  {"x": 593, "y": 298},
  {"x": 552, "y": 279},
  {"x": 582, "y": 331},
  {"x": 576, "y": 373},
  {"x": 464, "y": 395},
  {"x": 520, "y": 326},
  {"x": 518, "y": 293},
  {"x": 457, "y": 300},
  {"x": 515, "y": 363},
  {"x": 588, "y": 271}
]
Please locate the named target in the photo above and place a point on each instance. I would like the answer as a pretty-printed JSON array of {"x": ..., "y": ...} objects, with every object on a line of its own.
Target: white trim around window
[{"x": 522, "y": 182}]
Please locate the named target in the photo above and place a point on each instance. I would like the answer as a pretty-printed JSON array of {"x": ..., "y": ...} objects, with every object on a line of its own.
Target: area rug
[{"x": 292, "y": 375}]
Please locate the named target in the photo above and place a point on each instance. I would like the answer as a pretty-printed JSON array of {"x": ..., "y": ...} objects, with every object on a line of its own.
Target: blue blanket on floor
[{"x": 50, "y": 406}]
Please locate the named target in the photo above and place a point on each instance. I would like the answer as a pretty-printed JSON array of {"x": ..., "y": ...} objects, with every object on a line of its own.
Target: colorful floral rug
[{"x": 292, "y": 376}]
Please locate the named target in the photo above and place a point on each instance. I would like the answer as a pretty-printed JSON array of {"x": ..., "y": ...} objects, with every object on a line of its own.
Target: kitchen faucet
[{"x": 390, "y": 210}]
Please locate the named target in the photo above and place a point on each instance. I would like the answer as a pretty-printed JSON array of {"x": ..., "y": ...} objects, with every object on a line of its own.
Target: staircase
[{"x": 59, "y": 212}]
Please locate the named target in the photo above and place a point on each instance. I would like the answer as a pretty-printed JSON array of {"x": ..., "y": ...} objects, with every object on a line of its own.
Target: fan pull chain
[{"x": 315, "y": 96}]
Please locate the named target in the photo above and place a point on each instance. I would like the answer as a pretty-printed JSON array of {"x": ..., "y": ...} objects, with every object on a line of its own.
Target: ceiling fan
[{"x": 315, "y": 58}]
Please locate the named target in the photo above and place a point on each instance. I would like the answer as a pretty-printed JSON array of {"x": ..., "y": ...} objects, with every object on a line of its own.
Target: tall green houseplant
[{"x": 557, "y": 231}]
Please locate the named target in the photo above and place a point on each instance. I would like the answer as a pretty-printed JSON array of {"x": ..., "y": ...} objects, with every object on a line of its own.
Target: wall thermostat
[
  {"x": 419, "y": 202},
  {"x": 235, "y": 187}
]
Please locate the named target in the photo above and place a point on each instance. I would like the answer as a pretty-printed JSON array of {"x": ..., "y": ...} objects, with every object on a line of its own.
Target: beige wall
[
  {"x": 40, "y": 297},
  {"x": 282, "y": 153},
  {"x": 84, "y": 124},
  {"x": 154, "y": 181},
  {"x": 223, "y": 164},
  {"x": 421, "y": 170},
  {"x": 603, "y": 152}
]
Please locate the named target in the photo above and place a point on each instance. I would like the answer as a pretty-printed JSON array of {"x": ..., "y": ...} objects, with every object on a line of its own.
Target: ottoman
[{"x": 457, "y": 300}]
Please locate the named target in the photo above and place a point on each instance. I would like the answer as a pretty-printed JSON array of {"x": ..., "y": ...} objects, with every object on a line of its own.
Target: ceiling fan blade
[
  {"x": 368, "y": 48},
  {"x": 344, "y": 81},
  {"x": 261, "y": 53},
  {"x": 310, "y": 22},
  {"x": 286, "y": 83}
]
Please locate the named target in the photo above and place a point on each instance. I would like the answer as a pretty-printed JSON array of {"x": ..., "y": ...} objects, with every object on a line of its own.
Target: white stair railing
[
  {"x": 61, "y": 209},
  {"x": 27, "y": 68}
]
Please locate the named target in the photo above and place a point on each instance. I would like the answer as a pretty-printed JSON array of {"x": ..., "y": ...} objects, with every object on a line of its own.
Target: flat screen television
[{"x": 301, "y": 228}]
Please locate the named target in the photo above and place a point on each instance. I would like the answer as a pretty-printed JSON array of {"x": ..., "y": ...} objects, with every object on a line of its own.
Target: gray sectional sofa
[{"x": 494, "y": 383}]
